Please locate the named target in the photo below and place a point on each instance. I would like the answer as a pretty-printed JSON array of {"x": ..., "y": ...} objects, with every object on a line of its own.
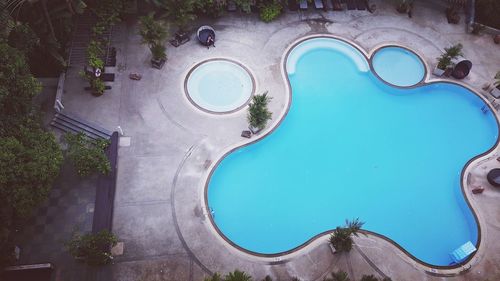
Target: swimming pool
[
  {"x": 219, "y": 86},
  {"x": 353, "y": 146}
]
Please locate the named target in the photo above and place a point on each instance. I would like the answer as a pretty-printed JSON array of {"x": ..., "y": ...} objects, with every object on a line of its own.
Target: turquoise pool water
[
  {"x": 352, "y": 146},
  {"x": 219, "y": 86},
  {"x": 398, "y": 66}
]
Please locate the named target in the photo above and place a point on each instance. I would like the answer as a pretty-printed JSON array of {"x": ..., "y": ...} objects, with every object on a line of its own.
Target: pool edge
[{"x": 426, "y": 80}]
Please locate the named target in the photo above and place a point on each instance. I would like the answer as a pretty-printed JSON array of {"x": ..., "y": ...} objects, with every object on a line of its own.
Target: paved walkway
[{"x": 159, "y": 211}]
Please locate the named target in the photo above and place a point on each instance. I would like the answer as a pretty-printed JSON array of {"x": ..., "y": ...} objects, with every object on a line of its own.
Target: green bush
[
  {"x": 258, "y": 114},
  {"x": 93, "y": 249},
  {"x": 270, "y": 11},
  {"x": 87, "y": 156},
  {"x": 341, "y": 237}
]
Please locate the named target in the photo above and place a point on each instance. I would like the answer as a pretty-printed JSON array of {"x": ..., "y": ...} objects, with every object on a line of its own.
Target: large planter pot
[
  {"x": 158, "y": 63},
  {"x": 438, "y": 72}
]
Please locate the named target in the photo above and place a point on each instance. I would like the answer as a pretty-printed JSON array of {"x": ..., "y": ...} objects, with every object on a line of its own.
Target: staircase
[{"x": 72, "y": 124}]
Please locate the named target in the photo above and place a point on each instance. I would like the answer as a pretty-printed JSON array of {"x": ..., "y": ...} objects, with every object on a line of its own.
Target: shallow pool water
[
  {"x": 398, "y": 66},
  {"x": 352, "y": 146},
  {"x": 219, "y": 86}
]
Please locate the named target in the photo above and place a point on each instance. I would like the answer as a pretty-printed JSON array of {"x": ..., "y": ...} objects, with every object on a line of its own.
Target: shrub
[
  {"x": 341, "y": 237},
  {"x": 153, "y": 34},
  {"x": 444, "y": 61},
  {"x": 270, "y": 11},
  {"x": 454, "y": 51},
  {"x": 87, "y": 156},
  {"x": 93, "y": 249},
  {"x": 338, "y": 276},
  {"x": 237, "y": 276},
  {"x": 369, "y": 278},
  {"x": 258, "y": 114}
]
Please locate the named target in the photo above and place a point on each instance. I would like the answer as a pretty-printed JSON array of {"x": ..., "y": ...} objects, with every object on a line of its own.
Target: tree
[
  {"x": 17, "y": 87},
  {"x": 153, "y": 34},
  {"x": 258, "y": 114},
  {"x": 215, "y": 277},
  {"x": 88, "y": 156},
  {"x": 369, "y": 278},
  {"x": 338, "y": 276},
  {"x": 181, "y": 12},
  {"x": 93, "y": 249},
  {"x": 237, "y": 276},
  {"x": 341, "y": 238}
]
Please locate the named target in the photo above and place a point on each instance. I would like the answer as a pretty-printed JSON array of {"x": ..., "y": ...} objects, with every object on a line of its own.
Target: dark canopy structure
[
  {"x": 494, "y": 177},
  {"x": 462, "y": 69},
  {"x": 206, "y": 35}
]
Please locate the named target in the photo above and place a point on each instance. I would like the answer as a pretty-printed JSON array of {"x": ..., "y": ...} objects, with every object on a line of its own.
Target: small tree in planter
[
  {"x": 258, "y": 114},
  {"x": 270, "y": 10},
  {"x": 93, "y": 249},
  {"x": 341, "y": 238},
  {"x": 446, "y": 59},
  {"x": 153, "y": 34}
]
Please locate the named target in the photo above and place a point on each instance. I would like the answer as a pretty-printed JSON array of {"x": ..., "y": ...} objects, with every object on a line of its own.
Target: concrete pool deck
[{"x": 170, "y": 146}]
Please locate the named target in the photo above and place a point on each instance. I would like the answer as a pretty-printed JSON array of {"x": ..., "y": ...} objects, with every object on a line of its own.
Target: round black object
[
  {"x": 206, "y": 35},
  {"x": 494, "y": 177}
]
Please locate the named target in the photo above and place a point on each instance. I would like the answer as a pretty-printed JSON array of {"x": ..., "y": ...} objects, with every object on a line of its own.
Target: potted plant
[
  {"x": 444, "y": 61},
  {"x": 93, "y": 249},
  {"x": 495, "y": 91},
  {"x": 153, "y": 34},
  {"x": 258, "y": 114},
  {"x": 452, "y": 14},
  {"x": 404, "y": 6}
]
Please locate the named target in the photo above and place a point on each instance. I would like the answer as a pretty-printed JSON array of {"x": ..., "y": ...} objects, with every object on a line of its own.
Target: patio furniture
[
  {"x": 107, "y": 77},
  {"x": 293, "y": 5},
  {"x": 179, "y": 39},
  {"x": 462, "y": 69},
  {"x": 328, "y": 4},
  {"x": 351, "y": 5},
  {"x": 206, "y": 35},
  {"x": 318, "y": 4},
  {"x": 246, "y": 134},
  {"x": 303, "y": 4},
  {"x": 493, "y": 177}
]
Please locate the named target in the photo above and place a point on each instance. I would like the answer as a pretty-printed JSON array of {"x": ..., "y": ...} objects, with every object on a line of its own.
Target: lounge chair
[
  {"x": 318, "y": 4},
  {"x": 107, "y": 77},
  {"x": 293, "y": 6},
  {"x": 462, "y": 69},
  {"x": 303, "y": 4},
  {"x": 351, "y": 5},
  {"x": 328, "y": 4},
  {"x": 204, "y": 33},
  {"x": 493, "y": 177}
]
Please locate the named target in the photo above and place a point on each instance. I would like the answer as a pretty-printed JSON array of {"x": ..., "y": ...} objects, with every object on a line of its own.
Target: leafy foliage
[
  {"x": 497, "y": 78},
  {"x": 23, "y": 38},
  {"x": 17, "y": 87},
  {"x": 244, "y": 5},
  {"x": 181, "y": 12},
  {"x": 93, "y": 249},
  {"x": 215, "y": 277},
  {"x": 270, "y": 10},
  {"x": 369, "y": 278},
  {"x": 267, "y": 278},
  {"x": 454, "y": 51},
  {"x": 211, "y": 8},
  {"x": 153, "y": 34},
  {"x": 443, "y": 61},
  {"x": 338, "y": 276},
  {"x": 258, "y": 114},
  {"x": 87, "y": 156},
  {"x": 237, "y": 276},
  {"x": 341, "y": 237},
  {"x": 30, "y": 160}
]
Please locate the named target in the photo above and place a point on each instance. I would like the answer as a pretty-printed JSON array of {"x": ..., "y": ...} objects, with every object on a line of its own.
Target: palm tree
[
  {"x": 341, "y": 238},
  {"x": 258, "y": 114},
  {"x": 215, "y": 277},
  {"x": 153, "y": 34},
  {"x": 237, "y": 276},
  {"x": 338, "y": 276}
]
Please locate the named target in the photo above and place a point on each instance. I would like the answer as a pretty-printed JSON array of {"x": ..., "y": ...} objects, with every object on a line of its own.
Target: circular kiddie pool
[
  {"x": 398, "y": 66},
  {"x": 219, "y": 86}
]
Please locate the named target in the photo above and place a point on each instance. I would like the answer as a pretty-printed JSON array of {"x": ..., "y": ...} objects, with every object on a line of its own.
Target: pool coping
[
  {"x": 435, "y": 270},
  {"x": 372, "y": 54},
  {"x": 240, "y": 64}
]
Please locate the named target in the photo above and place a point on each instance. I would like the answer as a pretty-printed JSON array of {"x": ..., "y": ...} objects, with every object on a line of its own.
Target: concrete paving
[{"x": 160, "y": 212}]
